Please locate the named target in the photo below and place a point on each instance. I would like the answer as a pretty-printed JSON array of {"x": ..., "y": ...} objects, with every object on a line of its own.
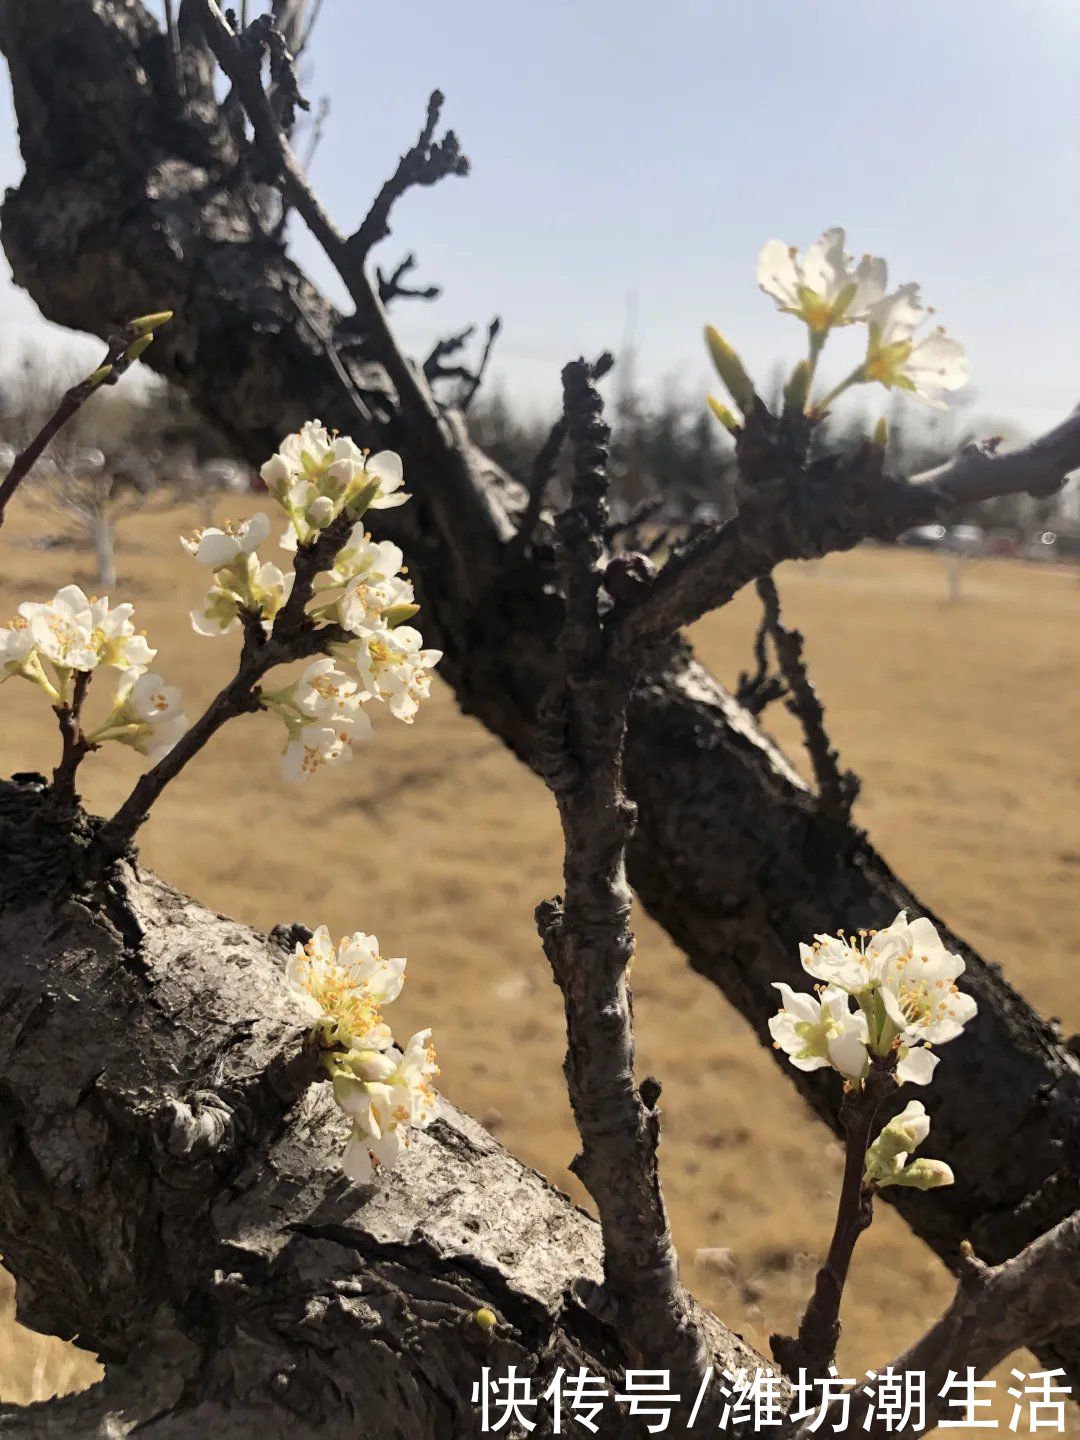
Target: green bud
[
  {"x": 139, "y": 347},
  {"x": 398, "y": 614},
  {"x": 100, "y": 375},
  {"x": 730, "y": 369},
  {"x": 925, "y": 1175},
  {"x": 147, "y": 324},
  {"x": 881, "y": 434},
  {"x": 724, "y": 415},
  {"x": 358, "y": 505},
  {"x": 797, "y": 388}
]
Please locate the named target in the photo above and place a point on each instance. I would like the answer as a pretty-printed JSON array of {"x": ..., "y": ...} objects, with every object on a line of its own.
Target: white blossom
[
  {"x": 386, "y": 1095},
  {"x": 315, "y": 746},
  {"x": 368, "y": 600},
  {"x": 341, "y": 987},
  {"x": 820, "y": 288},
  {"x": 315, "y": 476},
  {"x": 918, "y": 985},
  {"x": 219, "y": 549},
  {"x": 19, "y": 657},
  {"x": 63, "y": 629},
  {"x": 815, "y": 1032},
  {"x": 260, "y": 589},
  {"x": 895, "y": 358},
  {"x": 904, "y": 981},
  {"x": 393, "y": 667},
  {"x": 146, "y": 714}
]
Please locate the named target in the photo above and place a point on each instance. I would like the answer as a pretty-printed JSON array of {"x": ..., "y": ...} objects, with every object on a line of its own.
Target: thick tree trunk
[
  {"x": 124, "y": 198},
  {"x": 170, "y": 1193}
]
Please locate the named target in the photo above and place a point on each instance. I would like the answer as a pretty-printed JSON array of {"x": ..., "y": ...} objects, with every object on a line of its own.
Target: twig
[
  {"x": 118, "y": 357},
  {"x": 391, "y": 288},
  {"x": 291, "y": 637},
  {"x": 243, "y": 70},
  {"x": 435, "y": 367},
  {"x": 469, "y": 393},
  {"x": 756, "y": 691},
  {"x": 835, "y": 509},
  {"x": 425, "y": 163},
  {"x": 587, "y": 938},
  {"x": 1024, "y": 1302},
  {"x": 543, "y": 468},
  {"x": 74, "y": 743},
  {"x": 814, "y": 1348},
  {"x": 837, "y": 789}
]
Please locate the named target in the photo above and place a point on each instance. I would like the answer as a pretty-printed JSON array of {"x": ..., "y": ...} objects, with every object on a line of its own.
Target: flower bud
[
  {"x": 797, "y": 389},
  {"x": 399, "y": 614},
  {"x": 147, "y": 324},
  {"x": 320, "y": 512},
  {"x": 731, "y": 370},
  {"x": 139, "y": 347},
  {"x": 926, "y": 1175},
  {"x": 100, "y": 375},
  {"x": 880, "y": 437},
  {"x": 724, "y": 415}
]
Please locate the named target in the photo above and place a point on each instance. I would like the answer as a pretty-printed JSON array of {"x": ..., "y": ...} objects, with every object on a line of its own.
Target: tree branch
[
  {"x": 425, "y": 163},
  {"x": 118, "y": 357},
  {"x": 391, "y": 288},
  {"x": 587, "y": 938},
  {"x": 835, "y": 508},
  {"x": 837, "y": 788},
  {"x": 544, "y": 467},
  {"x": 996, "y": 1310}
]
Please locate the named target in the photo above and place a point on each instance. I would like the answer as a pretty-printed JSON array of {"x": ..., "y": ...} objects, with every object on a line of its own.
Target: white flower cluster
[
  {"x": 823, "y": 290},
  {"x": 386, "y": 1092},
  {"x": 903, "y": 983},
  {"x": 885, "y": 995},
  {"x": 317, "y": 478},
  {"x": 73, "y": 634}
]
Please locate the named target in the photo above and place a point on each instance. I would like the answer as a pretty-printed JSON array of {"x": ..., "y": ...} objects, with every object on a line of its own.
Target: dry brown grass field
[{"x": 962, "y": 720}]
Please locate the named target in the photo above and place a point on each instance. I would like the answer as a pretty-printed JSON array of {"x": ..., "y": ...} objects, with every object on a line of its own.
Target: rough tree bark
[
  {"x": 170, "y": 1193},
  {"x": 128, "y": 203}
]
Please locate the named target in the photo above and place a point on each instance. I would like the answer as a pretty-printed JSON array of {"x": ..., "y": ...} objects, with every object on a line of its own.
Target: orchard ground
[{"x": 961, "y": 719}]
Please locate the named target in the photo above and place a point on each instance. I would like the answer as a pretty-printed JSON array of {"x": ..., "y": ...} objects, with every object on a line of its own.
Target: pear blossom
[
  {"x": 316, "y": 475},
  {"x": 322, "y": 690},
  {"x": 386, "y": 1095},
  {"x": 146, "y": 714},
  {"x": 260, "y": 589},
  {"x": 904, "y": 981},
  {"x": 323, "y": 715},
  {"x": 115, "y": 639},
  {"x": 820, "y": 288},
  {"x": 897, "y": 359},
  {"x": 918, "y": 985},
  {"x": 63, "y": 629},
  {"x": 814, "y": 1033},
  {"x": 393, "y": 667},
  {"x": 315, "y": 746},
  {"x": 219, "y": 549},
  {"x": 367, "y": 601},
  {"x": 341, "y": 987},
  {"x": 16, "y": 647}
]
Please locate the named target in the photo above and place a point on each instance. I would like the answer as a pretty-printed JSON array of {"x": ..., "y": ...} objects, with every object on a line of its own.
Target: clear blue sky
[{"x": 622, "y": 147}]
